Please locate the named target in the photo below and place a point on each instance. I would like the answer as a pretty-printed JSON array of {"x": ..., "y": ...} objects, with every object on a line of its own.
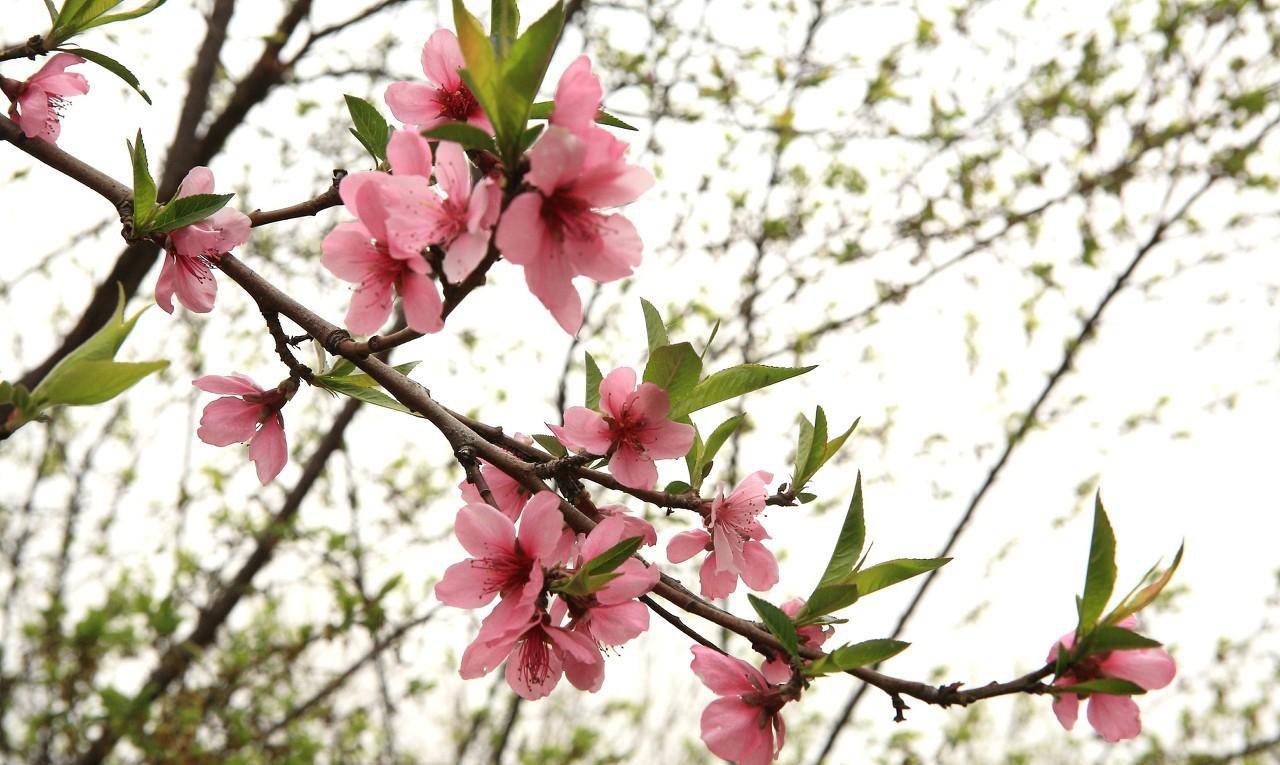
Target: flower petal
[
  {"x": 234, "y": 384},
  {"x": 1116, "y": 718},
  {"x": 268, "y": 449},
  {"x": 687, "y": 544},
  {"x": 1150, "y": 668},
  {"x": 228, "y": 421}
]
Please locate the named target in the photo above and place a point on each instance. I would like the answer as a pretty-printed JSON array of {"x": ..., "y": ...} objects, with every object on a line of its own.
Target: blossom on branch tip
[
  {"x": 446, "y": 98},
  {"x": 363, "y": 252},
  {"x": 540, "y": 651},
  {"x": 778, "y": 669},
  {"x": 745, "y": 724},
  {"x": 633, "y": 430},
  {"x": 732, "y": 537},
  {"x": 504, "y": 562},
  {"x": 611, "y": 615},
  {"x": 38, "y": 103},
  {"x": 1115, "y": 718},
  {"x": 191, "y": 251},
  {"x": 556, "y": 230},
  {"x": 247, "y": 413}
]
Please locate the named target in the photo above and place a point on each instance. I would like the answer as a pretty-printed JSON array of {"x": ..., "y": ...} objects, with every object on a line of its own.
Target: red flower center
[{"x": 458, "y": 105}]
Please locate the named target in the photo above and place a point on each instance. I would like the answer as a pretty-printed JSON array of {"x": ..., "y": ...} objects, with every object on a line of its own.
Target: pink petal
[
  {"x": 370, "y": 304},
  {"x": 605, "y": 535},
  {"x": 198, "y": 180},
  {"x": 409, "y": 154},
  {"x": 165, "y": 282},
  {"x": 422, "y": 306},
  {"x": 687, "y": 544},
  {"x": 233, "y": 384},
  {"x": 620, "y": 623},
  {"x": 1150, "y": 668},
  {"x": 465, "y": 585},
  {"x": 485, "y": 532},
  {"x": 522, "y": 237},
  {"x": 551, "y": 281},
  {"x": 534, "y": 669},
  {"x": 761, "y": 570},
  {"x": 464, "y": 255},
  {"x": 730, "y": 730},
  {"x": 231, "y": 228},
  {"x": 452, "y": 173},
  {"x": 35, "y": 117},
  {"x": 577, "y": 97},
  {"x": 636, "y": 580},
  {"x": 584, "y": 429},
  {"x": 716, "y": 584},
  {"x": 616, "y": 389},
  {"x": 413, "y": 103},
  {"x": 498, "y": 635},
  {"x": 1115, "y": 718},
  {"x": 268, "y": 449},
  {"x": 542, "y": 527},
  {"x": 228, "y": 421},
  {"x": 1067, "y": 708},
  {"x": 776, "y": 671},
  {"x": 51, "y": 76},
  {"x": 361, "y": 193},
  {"x": 667, "y": 439},
  {"x": 194, "y": 284},
  {"x": 442, "y": 58},
  {"x": 348, "y": 252},
  {"x": 725, "y": 675},
  {"x": 555, "y": 161},
  {"x": 611, "y": 252},
  {"x": 584, "y": 675},
  {"x": 633, "y": 468}
]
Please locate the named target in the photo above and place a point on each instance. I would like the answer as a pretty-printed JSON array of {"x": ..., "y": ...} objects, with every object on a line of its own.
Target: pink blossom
[
  {"x": 1115, "y": 718},
  {"x": 732, "y": 536},
  {"x": 364, "y": 253},
  {"x": 503, "y": 561},
  {"x": 191, "y": 251},
  {"x": 611, "y": 615},
  {"x": 39, "y": 102},
  {"x": 460, "y": 223},
  {"x": 556, "y": 231},
  {"x": 632, "y": 526},
  {"x": 745, "y": 724},
  {"x": 540, "y": 651},
  {"x": 507, "y": 491},
  {"x": 250, "y": 414},
  {"x": 633, "y": 430},
  {"x": 446, "y": 98},
  {"x": 777, "y": 669}
]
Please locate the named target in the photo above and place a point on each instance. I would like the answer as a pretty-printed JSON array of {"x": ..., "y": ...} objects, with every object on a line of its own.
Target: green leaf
[
  {"x": 611, "y": 559},
  {"x": 94, "y": 13},
  {"x": 779, "y": 624},
  {"x": 675, "y": 369},
  {"x": 1100, "y": 578},
  {"x": 467, "y": 135},
  {"x": 720, "y": 435},
  {"x": 366, "y": 394},
  {"x": 807, "y": 464},
  {"x": 371, "y": 127},
  {"x": 542, "y": 111},
  {"x": 833, "y": 446},
  {"x": 731, "y": 383},
  {"x": 530, "y": 135},
  {"x": 87, "y": 375},
  {"x": 64, "y": 25},
  {"x": 1109, "y": 638},
  {"x": 826, "y": 599},
  {"x": 113, "y": 66},
  {"x": 551, "y": 444},
  {"x": 594, "y": 377},
  {"x": 184, "y": 211},
  {"x": 482, "y": 74},
  {"x": 1112, "y": 686},
  {"x": 504, "y": 22},
  {"x": 1138, "y": 600},
  {"x": 361, "y": 380},
  {"x": 853, "y": 534},
  {"x": 93, "y": 382},
  {"x": 855, "y": 655},
  {"x": 144, "y": 186},
  {"x": 804, "y": 445},
  {"x": 693, "y": 458},
  {"x": 526, "y": 65},
  {"x": 892, "y": 572},
  {"x": 341, "y": 368},
  {"x": 675, "y": 487},
  {"x": 653, "y": 326}
]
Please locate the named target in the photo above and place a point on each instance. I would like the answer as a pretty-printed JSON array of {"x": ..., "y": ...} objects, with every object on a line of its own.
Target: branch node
[
  {"x": 899, "y": 707},
  {"x": 334, "y": 339}
]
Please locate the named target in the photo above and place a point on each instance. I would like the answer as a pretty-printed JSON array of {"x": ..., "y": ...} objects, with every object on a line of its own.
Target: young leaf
[
  {"x": 113, "y": 66},
  {"x": 804, "y": 445},
  {"x": 615, "y": 556},
  {"x": 1112, "y": 686},
  {"x": 504, "y": 21},
  {"x": 1108, "y": 638},
  {"x": 144, "y": 187},
  {"x": 530, "y": 135},
  {"x": 779, "y": 624},
  {"x": 184, "y": 211},
  {"x": 892, "y": 572},
  {"x": 467, "y": 135},
  {"x": 594, "y": 377},
  {"x": 720, "y": 435},
  {"x": 1141, "y": 598},
  {"x": 731, "y": 383},
  {"x": 675, "y": 369},
  {"x": 542, "y": 110},
  {"x": 853, "y": 534},
  {"x": 482, "y": 74},
  {"x": 817, "y": 447},
  {"x": 93, "y": 382},
  {"x": 98, "y": 19},
  {"x": 362, "y": 380},
  {"x": 526, "y": 65},
  {"x": 1100, "y": 578},
  {"x": 693, "y": 458},
  {"x": 370, "y": 126},
  {"x": 834, "y": 445},
  {"x": 826, "y": 599},
  {"x": 653, "y": 326},
  {"x": 551, "y": 444},
  {"x": 364, "y": 393},
  {"x": 855, "y": 655}
]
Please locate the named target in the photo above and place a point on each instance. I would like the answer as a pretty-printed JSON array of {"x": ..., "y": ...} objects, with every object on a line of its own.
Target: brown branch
[
  {"x": 33, "y": 47},
  {"x": 311, "y": 207}
]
